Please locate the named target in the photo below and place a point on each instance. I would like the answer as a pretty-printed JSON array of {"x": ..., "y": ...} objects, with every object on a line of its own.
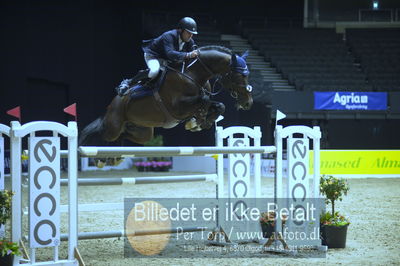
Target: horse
[{"x": 184, "y": 94}]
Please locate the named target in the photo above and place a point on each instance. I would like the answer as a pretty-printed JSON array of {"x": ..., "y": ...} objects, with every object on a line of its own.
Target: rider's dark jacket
[{"x": 166, "y": 46}]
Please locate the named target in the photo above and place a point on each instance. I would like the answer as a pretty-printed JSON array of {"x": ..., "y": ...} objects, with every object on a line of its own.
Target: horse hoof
[
  {"x": 191, "y": 124},
  {"x": 196, "y": 129},
  {"x": 117, "y": 161},
  {"x": 100, "y": 164}
]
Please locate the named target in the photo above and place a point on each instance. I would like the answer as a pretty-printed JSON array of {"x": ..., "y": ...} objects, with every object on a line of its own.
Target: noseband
[{"x": 228, "y": 79}]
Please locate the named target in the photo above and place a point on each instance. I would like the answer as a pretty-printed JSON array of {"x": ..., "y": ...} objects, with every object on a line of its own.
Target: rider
[{"x": 175, "y": 45}]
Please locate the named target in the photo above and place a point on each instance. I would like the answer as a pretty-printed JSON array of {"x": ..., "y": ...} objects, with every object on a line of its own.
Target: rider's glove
[{"x": 192, "y": 54}]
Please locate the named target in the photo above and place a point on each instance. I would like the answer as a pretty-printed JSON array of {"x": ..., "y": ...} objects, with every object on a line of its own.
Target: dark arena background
[{"x": 54, "y": 53}]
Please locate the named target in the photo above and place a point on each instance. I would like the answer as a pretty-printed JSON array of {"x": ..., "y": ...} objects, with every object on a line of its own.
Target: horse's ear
[
  {"x": 245, "y": 54},
  {"x": 233, "y": 60}
]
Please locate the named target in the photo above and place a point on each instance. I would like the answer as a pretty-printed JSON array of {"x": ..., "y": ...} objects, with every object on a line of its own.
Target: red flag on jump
[
  {"x": 71, "y": 110},
  {"x": 15, "y": 112}
]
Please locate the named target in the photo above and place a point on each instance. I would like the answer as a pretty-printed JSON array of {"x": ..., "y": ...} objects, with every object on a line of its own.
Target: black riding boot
[{"x": 141, "y": 76}]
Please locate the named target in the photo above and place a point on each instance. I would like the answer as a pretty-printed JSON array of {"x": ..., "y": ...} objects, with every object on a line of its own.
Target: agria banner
[{"x": 345, "y": 100}]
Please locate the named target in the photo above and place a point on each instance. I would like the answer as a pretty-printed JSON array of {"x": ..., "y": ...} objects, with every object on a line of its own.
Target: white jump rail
[
  {"x": 142, "y": 180},
  {"x": 91, "y": 151},
  {"x": 121, "y": 233}
]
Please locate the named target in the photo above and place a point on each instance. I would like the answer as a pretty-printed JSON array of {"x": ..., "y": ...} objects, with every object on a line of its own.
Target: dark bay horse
[{"x": 183, "y": 95}]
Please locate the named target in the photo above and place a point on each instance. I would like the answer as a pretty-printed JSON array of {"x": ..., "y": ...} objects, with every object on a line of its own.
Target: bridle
[
  {"x": 221, "y": 79},
  {"x": 228, "y": 77}
]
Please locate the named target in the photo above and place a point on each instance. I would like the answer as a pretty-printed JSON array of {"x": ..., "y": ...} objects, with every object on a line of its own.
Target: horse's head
[{"x": 237, "y": 81}]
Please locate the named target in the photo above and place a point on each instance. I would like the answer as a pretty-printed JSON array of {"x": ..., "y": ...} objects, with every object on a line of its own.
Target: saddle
[{"x": 140, "y": 85}]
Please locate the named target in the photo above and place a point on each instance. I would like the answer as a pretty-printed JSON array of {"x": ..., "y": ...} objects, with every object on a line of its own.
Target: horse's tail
[{"x": 91, "y": 134}]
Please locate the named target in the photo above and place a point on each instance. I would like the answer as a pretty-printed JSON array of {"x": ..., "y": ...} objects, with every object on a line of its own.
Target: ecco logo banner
[
  {"x": 350, "y": 100},
  {"x": 44, "y": 191},
  {"x": 299, "y": 193},
  {"x": 239, "y": 191},
  {"x": 239, "y": 186}
]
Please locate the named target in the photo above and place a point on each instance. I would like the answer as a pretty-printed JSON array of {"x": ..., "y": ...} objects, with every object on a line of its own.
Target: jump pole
[
  {"x": 91, "y": 151},
  {"x": 121, "y": 233},
  {"x": 142, "y": 180}
]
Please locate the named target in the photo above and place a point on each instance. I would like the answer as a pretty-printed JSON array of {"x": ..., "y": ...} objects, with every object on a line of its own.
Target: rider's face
[{"x": 186, "y": 36}]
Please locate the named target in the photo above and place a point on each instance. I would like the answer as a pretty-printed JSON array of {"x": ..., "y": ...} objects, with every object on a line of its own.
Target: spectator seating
[
  {"x": 378, "y": 51},
  {"x": 311, "y": 59},
  {"x": 262, "y": 90}
]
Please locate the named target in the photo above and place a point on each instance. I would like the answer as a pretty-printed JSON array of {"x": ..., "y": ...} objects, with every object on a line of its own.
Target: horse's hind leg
[
  {"x": 137, "y": 134},
  {"x": 113, "y": 120}
]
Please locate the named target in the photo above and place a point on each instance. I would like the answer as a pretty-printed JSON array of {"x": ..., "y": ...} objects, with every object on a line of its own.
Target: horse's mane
[{"x": 216, "y": 47}]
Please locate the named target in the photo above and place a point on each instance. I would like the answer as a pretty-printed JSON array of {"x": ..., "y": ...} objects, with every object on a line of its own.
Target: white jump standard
[{"x": 44, "y": 158}]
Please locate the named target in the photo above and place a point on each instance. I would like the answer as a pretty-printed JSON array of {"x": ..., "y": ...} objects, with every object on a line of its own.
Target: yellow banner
[{"x": 359, "y": 162}]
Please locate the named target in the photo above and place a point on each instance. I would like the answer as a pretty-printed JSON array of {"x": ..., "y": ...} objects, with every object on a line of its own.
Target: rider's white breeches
[{"x": 153, "y": 64}]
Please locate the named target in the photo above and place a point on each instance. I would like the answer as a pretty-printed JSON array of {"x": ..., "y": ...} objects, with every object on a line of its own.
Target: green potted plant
[
  {"x": 7, "y": 248},
  {"x": 157, "y": 141},
  {"x": 333, "y": 225}
]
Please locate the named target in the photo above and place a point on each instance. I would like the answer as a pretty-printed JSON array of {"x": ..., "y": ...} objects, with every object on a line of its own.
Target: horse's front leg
[
  {"x": 205, "y": 119},
  {"x": 193, "y": 102},
  {"x": 199, "y": 106},
  {"x": 214, "y": 111},
  {"x": 194, "y": 124}
]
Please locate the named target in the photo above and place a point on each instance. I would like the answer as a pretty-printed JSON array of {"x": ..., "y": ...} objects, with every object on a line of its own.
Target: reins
[{"x": 217, "y": 80}]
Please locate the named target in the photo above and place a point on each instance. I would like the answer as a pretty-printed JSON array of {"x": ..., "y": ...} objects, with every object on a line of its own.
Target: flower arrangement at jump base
[
  {"x": 333, "y": 225},
  {"x": 153, "y": 166},
  {"x": 7, "y": 248}
]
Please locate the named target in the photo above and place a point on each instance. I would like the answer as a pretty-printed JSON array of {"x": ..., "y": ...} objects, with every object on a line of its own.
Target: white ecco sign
[
  {"x": 298, "y": 161},
  {"x": 239, "y": 171},
  {"x": 44, "y": 191}
]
